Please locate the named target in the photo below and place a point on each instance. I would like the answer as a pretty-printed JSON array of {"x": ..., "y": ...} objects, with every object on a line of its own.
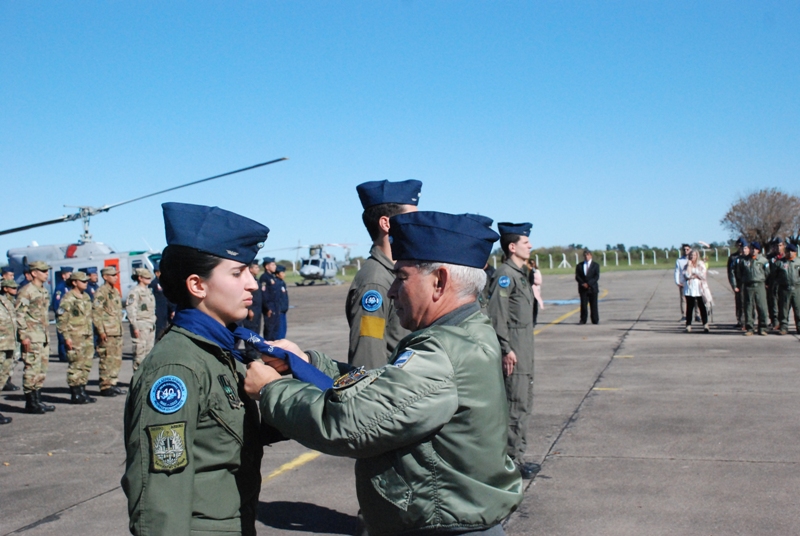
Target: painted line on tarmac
[
  {"x": 623, "y": 357},
  {"x": 607, "y": 389},
  {"x": 294, "y": 464},
  {"x": 567, "y": 315}
]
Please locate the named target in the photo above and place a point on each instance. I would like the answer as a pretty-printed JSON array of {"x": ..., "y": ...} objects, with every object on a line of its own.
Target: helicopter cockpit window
[
  {"x": 136, "y": 264},
  {"x": 314, "y": 262}
]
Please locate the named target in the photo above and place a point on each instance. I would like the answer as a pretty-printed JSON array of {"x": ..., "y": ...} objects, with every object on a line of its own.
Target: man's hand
[
  {"x": 736, "y": 289},
  {"x": 135, "y": 333},
  {"x": 509, "y": 362},
  {"x": 68, "y": 343},
  {"x": 103, "y": 337},
  {"x": 26, "y": 345},
  {"x": 584, "y": 285},
  {"x": 289, "y": 346},
  {"x": 278, "y": 364},
  {"x": 258, "y": 375}
]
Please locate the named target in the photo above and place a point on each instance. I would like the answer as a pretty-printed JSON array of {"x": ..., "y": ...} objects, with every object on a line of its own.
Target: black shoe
[
  {"x": 4, "y": 419},
  {"x": 46, "y": 407},
  {"x": 108, "y": 392},
  {"x": 582, "y": 322},
  {"x": 528, "y": 469},
  {"x": 76, "y": 396},
  {"x": 10, "y": 386},
  {"x": 84, "y": 394},
  {"x": 32, "y": 405},
  {"x": 118, "y": 390}
]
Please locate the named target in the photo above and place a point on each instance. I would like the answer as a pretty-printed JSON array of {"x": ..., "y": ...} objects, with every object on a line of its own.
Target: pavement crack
[
  {"x": 55, "y": 516},
  {"x": 672, "y": 459}
]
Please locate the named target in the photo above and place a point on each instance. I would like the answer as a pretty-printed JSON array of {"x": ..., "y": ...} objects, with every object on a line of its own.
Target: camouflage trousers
[
  {"x": 8, "y": 358},
  {"x": 110, "y": 353},
  {"x": 36, "y": 362},
  {"x": 519, "y": 393},
  {"x": 80, "y": 360},
  {"x": 142, "y": 344}
]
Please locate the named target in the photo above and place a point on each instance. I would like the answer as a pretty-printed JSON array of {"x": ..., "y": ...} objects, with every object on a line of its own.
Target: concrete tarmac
[{"x": 641, "y": 429}]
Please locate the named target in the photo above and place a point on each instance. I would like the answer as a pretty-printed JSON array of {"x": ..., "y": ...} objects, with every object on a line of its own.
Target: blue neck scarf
[{"x": 203, "y": 325}]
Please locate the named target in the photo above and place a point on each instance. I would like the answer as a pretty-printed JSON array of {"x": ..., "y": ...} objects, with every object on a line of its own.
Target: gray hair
[{"x": 468, "y": 281}]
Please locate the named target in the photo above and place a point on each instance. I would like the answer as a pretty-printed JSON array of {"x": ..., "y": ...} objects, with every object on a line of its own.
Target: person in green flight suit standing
[
  {"x": 751, "y": 276},
  {"x": 428, "y": 429},
  {"x": 510, "y": 307},
  {"x": 374, "y": 327}
]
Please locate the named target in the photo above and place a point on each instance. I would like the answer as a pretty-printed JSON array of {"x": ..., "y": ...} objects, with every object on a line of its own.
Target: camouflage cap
[
  {"x": 8, "y": 283},
  {"x": 39, "y": 265},
  {"x": 144, "y": 272},
  {"x": 78, "y": 276},
  {"x": 109, "y": 270}
]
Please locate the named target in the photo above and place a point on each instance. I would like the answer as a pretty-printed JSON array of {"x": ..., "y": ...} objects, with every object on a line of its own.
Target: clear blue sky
[{"x": 599, "y": 122}]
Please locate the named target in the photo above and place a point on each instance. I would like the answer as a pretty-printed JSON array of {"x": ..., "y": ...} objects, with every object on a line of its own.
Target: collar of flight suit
[{"x": 377, "y": 253}]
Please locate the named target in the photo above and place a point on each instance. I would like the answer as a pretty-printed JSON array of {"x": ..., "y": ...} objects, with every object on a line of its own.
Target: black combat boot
[
  {"x": 4, "y": 419},
  {"x": 46, "y": 407},
  {"x": 85, "y": 395},
  {"x": 109, "y": 391},
  {"x": 10, "y": 386},
  {"x": 32, "y": 405},
  {"x": 76, "y": 397},
  {"x": 118, "y": 390}
]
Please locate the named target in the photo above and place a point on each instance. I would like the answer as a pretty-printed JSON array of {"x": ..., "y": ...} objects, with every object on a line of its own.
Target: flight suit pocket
[
  {"x": 391, "y": 486},
  {"x": 232, "y": 421}
]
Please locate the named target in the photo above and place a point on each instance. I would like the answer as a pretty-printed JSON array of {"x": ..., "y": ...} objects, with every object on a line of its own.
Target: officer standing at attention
[
  {"x": 733, "y": 262},
  {"x": 375, "y": 329},
  {"x": 8, "y": 336},
  {"x": 32, "y": 330},
  {"x": 92, "y": 284},
  {"x": 428, "y": 428},
  {"x": 74, "y": 322},
  {"x": 107, "y": 318},
  {"x": 776, "y": 255},
  {"x": 269, "y": 307},
  {"x": 750, "y": 278},
  {"x": 191, "y": 432},
  {"x": 141, "y": 308},
  {"x": 62, "y": 287},
  {"x": 282, "y": 301},
  {"x": 510, "y": 306},
  {"x": 8, "y": 289},
  {"x": 787, "y": 280}
]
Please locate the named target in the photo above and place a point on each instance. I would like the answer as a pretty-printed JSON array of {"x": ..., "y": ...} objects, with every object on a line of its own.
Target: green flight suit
[
  {"x": 428, "y": 431},
  {"x": 511, "y": 310},
  {"x": 788, "y": 280},
  {"x": 733, "y": 263},
  {"x": 751, "y": 278},
  {"x": 195, "y": 470},
  {"x": 375, "y": 329}
]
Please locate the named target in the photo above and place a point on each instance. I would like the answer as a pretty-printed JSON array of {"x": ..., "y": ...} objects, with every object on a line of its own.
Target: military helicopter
[
  {"x": 88, "y": 253},
  {"x": 320, "y": 265}
]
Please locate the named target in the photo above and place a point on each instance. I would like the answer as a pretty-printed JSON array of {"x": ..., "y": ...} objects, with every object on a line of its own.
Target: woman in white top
[{"x": 695, "y": 289}]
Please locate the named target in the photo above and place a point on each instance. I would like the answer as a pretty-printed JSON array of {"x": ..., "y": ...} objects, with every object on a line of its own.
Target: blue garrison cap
[
  {"x": 487, "y": 221},
  {"x": 741, "y": 242},
  {"x": 7, "y": 269},
  {"x": 755, "y": 245},
  {"x": 213, "y": 230},
  {"x": 379, "y": 192},
  {"x": 440, "y": 237},
  {"x": 791, "y": 247},
  {"x": 523, "y": 229},
  {"x": 89, "y": 270},
  {"x": 65, "y": 269},
  {"x": 267, "y": 260},
  {"x": 280, "y": 268}
]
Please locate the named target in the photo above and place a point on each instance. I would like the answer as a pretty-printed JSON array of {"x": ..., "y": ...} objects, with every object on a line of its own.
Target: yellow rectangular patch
[
  {"x": 168, "y": 447},
  {"x": 372, "y": 326}
]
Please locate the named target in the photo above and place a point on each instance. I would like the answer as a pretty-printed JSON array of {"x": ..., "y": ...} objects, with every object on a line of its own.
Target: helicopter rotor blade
[
  {"x": 106, "y": 208},
  {"x": 70, "y": 217}
]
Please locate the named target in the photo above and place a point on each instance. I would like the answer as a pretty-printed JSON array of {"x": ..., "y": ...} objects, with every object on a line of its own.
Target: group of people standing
[
  {"x": 88, "y": 323},
  {"x": 767, "y": 288}
]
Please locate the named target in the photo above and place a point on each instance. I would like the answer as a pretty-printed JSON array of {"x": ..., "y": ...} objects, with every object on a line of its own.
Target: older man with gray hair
[{"x": 429, "y": 429}]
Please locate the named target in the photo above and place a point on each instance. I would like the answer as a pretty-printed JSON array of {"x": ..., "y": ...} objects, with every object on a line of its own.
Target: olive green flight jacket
[{"x": 511, "y": 310}]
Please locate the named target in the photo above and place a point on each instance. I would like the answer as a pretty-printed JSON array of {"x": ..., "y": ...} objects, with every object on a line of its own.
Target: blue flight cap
[
  {"x": 755, "y": 245},
  {"x": 522, "y": 229},
  {"x": 8, "y": 269},
  {"x": 379, "y": 192},
  {"x": 791, "y": 247},
  {"x": 213, "y": 230},
  {"x": 280, "y": 268},
  {"x": 485, "y": 220},
  {"x": 66, "y": 269},
  {"x": 267, "y": 260},
  {"x": 89, "y": 270},
  {"x": 741, "y": 242},
  {"x": 440, "y": 237}
]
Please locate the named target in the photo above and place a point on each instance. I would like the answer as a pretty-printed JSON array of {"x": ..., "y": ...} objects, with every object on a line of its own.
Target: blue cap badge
[
  {"x": 371, "y": 301},
  {"x": 168, "y": 394},
  {"x": 504, "y": 281}
]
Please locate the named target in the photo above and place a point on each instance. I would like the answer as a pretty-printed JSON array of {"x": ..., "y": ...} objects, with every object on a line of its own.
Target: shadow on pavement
[{"x": 305, "y": 517}]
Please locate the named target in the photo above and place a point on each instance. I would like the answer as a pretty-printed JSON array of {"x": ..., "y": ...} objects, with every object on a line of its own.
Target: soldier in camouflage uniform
[
  {"x": 141, "y": 307},
  {"x": 9, "y": 289},
  {"x": 74, "y": 322},
  {"x": 8, "y": 337},
  {"x": 374, "y": 327},
  {"x": 32, "y": 306},
  {"x": 107, "y": 318}
]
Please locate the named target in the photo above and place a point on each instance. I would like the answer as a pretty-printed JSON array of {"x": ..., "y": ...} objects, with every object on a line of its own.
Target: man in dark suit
[{"x": 587, "y": 274}]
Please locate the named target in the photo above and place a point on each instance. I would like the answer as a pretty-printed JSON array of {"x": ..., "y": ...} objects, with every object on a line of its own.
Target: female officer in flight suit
[{"x": 191, "y": 433}]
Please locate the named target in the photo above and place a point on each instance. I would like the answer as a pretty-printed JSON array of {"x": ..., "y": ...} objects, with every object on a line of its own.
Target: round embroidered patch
[
  {"x": 371, "y": 300},
  {"x": 168, "y": 394},
  {"x": 504, "y": 281}
]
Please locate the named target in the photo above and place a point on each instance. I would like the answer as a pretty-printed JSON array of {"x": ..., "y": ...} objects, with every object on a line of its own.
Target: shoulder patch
[
  {"x": 168, "y": 447},
  {"x": 351, "y": 378},
  {"x": 403, "y": 358},
  {"x": 168, "y": 394},
  {"x": 371, "y": 301},
  {"x": 504, "y": 281}
]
